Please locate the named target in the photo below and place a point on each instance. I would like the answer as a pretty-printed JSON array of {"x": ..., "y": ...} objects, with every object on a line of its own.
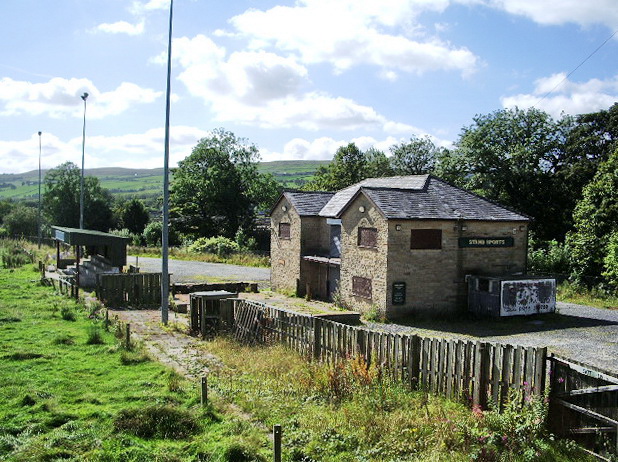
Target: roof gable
[{"x": 308, "y": 203}]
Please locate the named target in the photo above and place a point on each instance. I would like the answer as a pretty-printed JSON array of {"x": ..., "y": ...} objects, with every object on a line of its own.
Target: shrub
[
  {"x": 129, "y": 358},
  {"x": 67, "y": 313},
  {"x": 610, "y": 262},
  {"x": 221, "y": 246},
  {"x": 549, "y": 257},
  {"x": 152, "y": 234},
  {"x": 64, "y": 340},
  {"x": 157, "y": 422},
  {"x": 95, "y": 336},
  {"x": 237, "y": 452}
]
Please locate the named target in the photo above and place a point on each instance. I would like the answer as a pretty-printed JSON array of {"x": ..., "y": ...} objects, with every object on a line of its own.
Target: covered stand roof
[{"x": 87, "y": 237}]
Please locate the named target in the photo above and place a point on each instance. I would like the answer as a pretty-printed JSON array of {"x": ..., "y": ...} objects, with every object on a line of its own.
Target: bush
[
  {"x": 157, "y": 422},
  {"x": 152, "y": 235},
  {"x": 95, "y": 336},
  {"x": 67, "y": 313},
  {"x": 610, "y": 262},
  {"x": 221, "y": 246},
  {"x": 549, "y": 257}
]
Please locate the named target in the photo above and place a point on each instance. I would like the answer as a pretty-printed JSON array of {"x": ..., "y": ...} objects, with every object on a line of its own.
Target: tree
[
  {"x": 595, "y": 220},
  {"x": 511, "y": 156},
  {"x": 22, "y": 221},
  {"x": 378, "y": 165},
  {"x": 133, "y": 215},
  {"x": 415, "y": 157},
  {"x": 264, "y": 190},
  {"x": 211, "y": 190},
  {"x": 62, "y": 195}
]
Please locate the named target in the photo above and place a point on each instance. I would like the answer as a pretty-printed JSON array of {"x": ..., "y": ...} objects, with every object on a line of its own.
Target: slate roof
[
  {"x": 338, "y": 202},
  {"x": 308, "y": 203},
  {"x": 422, "y": 197}
]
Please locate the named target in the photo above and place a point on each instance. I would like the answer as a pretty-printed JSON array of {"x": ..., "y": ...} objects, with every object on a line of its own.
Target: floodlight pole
[
  {"x": 39, "y": 214},
  {"x": 165, "y": 280},
  {"x": 81, "y": 183}
]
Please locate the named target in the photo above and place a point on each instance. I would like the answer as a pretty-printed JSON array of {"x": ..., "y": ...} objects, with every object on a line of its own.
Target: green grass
[
  {"x": 68, "y": 391},
  {"x": 176, "y": 253},
  {"x": 351, "y": 412},
  {"x": 573, "y": 293}
]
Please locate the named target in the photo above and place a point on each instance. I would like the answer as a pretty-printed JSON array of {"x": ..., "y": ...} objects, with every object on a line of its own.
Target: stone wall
[
  {"x": 285, "y": 254},
  {"x": 357, "y": 261},
  {"x": 435, "y": 279}
]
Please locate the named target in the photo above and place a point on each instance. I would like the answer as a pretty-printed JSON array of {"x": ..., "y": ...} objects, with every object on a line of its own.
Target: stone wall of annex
[{"x": 285, "y": 254}]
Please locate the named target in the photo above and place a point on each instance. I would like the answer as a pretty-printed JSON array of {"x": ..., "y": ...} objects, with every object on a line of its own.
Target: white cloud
[
  {"x": 348, "y": 33},
  {"x": 135, "y": 150},
  {"x": 266, "y": 90},
  {"x": 61, "y": 97},
  {"x": 324, "y": 148},
  {"x": 567, "y": 96},
  {"x": 139, "y": 8},
  {"x": 555, "y": 12},
  {"x": 121, "y": 27}
]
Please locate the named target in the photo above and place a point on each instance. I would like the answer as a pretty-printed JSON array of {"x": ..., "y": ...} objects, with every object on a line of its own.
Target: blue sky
[{"x": 298, "y": 79}]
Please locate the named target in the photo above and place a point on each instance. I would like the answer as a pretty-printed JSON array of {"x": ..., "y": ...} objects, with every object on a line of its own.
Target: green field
[{"x": 148, "y": 183}]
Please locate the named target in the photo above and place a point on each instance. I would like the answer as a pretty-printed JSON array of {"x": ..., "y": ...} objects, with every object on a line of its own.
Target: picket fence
[{"x": 478, "y": 371}]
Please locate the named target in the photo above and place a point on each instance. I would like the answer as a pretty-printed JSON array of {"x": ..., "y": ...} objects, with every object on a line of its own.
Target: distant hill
[{"x": 147, "y": 184}]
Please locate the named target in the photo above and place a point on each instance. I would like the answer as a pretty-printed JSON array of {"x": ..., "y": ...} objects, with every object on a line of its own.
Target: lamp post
[
  {"x": 81, "y": 183},
  {"x": 165, "y": 281},
  {"x": 39, "y": 217}
]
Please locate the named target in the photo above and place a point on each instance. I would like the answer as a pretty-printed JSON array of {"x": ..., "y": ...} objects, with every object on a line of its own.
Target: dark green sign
[
  {"x": 486, "y": 242},
  {"x": 399, "y": 293}
]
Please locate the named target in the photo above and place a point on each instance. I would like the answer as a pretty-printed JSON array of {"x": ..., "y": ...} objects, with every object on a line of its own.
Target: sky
[{"x": 297, "y": 79}]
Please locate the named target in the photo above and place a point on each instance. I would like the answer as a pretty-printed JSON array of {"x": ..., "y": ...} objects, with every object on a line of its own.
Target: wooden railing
[{"x": 478, "y": 371}]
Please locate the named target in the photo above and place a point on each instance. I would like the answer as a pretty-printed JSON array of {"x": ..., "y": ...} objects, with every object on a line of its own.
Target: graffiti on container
[{"x": 528, "y": 296}]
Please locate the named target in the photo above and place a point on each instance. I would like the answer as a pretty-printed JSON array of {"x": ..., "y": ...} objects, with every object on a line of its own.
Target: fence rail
[
  {"x": 136, "y": 290},
  {"x": 481, "y": 371}
]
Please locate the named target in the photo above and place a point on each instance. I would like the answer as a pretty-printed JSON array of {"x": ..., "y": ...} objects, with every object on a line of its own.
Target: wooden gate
[{"x": 584, "y": 406}]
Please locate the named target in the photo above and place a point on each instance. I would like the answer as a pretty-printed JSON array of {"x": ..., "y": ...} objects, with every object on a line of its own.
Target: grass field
[
  {"x": 69, "y": 392},
  {"x": 148, "y": 183}
]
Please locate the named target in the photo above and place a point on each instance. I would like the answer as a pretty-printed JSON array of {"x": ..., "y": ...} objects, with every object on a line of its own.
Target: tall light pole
[
  {"x": 39, "y": 218},
  {"x": 165, "y": 281},
  {"x": 81, "y": 183}
]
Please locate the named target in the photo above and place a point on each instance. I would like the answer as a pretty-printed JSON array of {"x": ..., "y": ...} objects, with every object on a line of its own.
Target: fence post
[
  {"x": 277, "y": 443},
  {"x": 106, "y": 318},
  {"x": 481, "y": 374},
  {"x": 415, "y": 361},
  {"x": 128, "y": 337},
  {"x": 317, "y": 333},
  {"x": 204, "y": 394}
]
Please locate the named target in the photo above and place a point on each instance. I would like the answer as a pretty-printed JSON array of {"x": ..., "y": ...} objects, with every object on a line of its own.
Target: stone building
[{"x": 401, "y": 245}]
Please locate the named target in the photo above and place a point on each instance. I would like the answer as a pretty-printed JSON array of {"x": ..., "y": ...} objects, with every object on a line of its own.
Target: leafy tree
[
  {"x": 5, "y": 208},
  {"x": 415, "y": 157},
  {"x": 595, "y": 220},
  {"x": 153, "y": 234},
  {"x": 62, "y": 194},
  {"x": 378, "y": 165},
  {"x": 264, "y": 190},
  {"x": 511, "y": 156},
  {"x": 132, "y": 215},
  {"x": 210, "y": 193},
  {"x": 22, "y": 221}
]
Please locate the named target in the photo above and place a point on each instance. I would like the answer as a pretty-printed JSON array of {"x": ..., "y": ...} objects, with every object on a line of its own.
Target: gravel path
[
  {"x": 197, "y": 271},
  {"x": 582, "y": 333}
]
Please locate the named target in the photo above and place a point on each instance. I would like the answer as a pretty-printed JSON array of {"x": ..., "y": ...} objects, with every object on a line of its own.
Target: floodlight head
[
  {"x": 40, "y": 133},
  {"x": 84, "y": 96}
]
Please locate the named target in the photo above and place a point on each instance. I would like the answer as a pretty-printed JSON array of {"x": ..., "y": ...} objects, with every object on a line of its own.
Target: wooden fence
[
  {"x": 66, "y": 285},
  {"x": 136, "y": 290},
  {"x": 584, "y": 406},
  {"x": 479, "y": 371}
]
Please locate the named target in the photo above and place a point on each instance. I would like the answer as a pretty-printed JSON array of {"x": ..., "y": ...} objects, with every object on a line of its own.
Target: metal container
[{"x": 501, "y": 296}]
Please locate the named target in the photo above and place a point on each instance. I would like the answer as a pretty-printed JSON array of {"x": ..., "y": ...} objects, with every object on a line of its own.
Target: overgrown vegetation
[
  {"x": 353, "y": 412},
  {"x": 67, "y": 391},
  {"x": 183, "y": 253}
]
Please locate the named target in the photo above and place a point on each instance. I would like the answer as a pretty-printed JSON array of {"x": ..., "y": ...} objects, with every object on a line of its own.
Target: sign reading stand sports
[{"x": 486, "y": 242}]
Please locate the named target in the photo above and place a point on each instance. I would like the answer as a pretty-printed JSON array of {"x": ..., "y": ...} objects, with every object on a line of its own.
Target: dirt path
[{"x": 169, "y": 345}]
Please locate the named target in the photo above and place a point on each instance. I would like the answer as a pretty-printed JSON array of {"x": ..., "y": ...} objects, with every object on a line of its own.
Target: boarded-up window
[
  {"x": 368, "y": 237},
  {"x": 426, "y": 239},
  {"x": 361, "y": 287},
  {"x": 284, "y": 230}
]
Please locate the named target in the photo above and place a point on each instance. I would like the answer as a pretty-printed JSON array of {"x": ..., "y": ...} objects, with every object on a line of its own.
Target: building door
[{"x": 333, "y": 280}]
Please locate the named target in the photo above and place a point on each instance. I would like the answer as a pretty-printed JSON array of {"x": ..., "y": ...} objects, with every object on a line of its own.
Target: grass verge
[
  {"x": 176, "y": 253},
  {"x": 68, "y": 391}
]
